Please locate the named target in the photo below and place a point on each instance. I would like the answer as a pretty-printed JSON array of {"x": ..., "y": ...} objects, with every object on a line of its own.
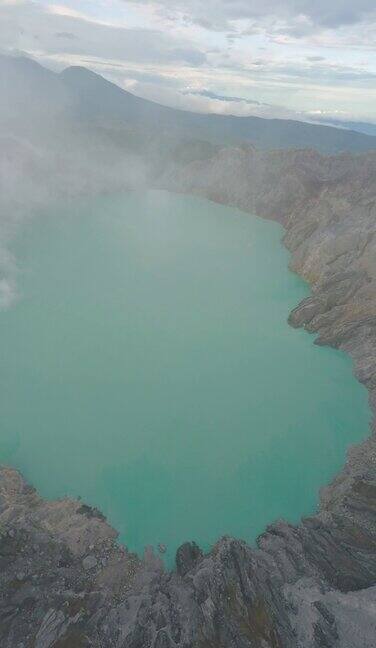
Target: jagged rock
[
  {"x": 304, "y": 313},
  {"x": 89, "y": 562},
  {"x": 187, "y": 556},
  {"x": 52, "y": 627}
]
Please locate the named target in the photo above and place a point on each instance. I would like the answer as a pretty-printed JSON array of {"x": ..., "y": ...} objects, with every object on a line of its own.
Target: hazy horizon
[{"x": 293, "y": 59}]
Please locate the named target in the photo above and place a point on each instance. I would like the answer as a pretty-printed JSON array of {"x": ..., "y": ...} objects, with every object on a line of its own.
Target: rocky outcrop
[{"x": 64, "y": 582}]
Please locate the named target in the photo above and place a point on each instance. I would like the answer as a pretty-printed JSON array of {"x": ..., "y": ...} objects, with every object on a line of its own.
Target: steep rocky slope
[
  {"x": 328, "y": 208},
  {"x": 65, "y": 582}
]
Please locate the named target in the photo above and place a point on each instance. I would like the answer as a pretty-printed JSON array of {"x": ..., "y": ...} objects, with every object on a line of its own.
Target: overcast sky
[{"x": 267, "y": 57}]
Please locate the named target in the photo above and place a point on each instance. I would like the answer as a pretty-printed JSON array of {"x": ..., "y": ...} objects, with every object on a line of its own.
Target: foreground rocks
[{"x": 64, "y": 582}]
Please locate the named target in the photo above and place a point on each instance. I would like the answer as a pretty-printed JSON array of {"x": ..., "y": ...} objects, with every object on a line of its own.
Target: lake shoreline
[
  {"x": 162, "y": 319},
  {"x": 296, "y": 588}
]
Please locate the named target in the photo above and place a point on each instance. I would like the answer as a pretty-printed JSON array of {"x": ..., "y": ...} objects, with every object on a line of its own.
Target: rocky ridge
[{"x": 64, "y": 580}]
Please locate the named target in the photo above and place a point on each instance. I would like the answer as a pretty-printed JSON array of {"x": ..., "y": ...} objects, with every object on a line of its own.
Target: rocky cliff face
[
  {"x": 66, "y": 583},
  {"x": 328, "y": 208}
]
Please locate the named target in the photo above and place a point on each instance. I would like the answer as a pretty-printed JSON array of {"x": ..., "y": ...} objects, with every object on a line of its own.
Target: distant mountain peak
[
  {"x": 80, "y": 70},
  {"x": 90, "y": 99}
]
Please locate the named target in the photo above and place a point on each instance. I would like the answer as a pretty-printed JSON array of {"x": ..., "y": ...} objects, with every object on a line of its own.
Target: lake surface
[{"x": 149, "y": 368}]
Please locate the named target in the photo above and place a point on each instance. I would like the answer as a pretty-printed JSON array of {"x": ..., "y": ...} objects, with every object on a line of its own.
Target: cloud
[
  {"x": 283, "y": 53},
  {"x": 63, "y": 10},
  {"x": 206, "y": 101},
  {"x": 218, "y": 97},
  {"x": 8, "y": 293},
  {"x": 67, "y": 35},
  {"x": 8, "y": 269},
  {"x": 219, "y": 14},
  {"x": 64, "y": 34},
  {"x": 186, "y": 55}
]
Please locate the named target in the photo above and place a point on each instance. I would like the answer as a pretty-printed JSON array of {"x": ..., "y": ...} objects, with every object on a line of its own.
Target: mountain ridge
[{"x": 94, "y": 97}]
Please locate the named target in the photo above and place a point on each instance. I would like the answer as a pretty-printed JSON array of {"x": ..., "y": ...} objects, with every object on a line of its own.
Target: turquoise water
[{"x": 148, "y": 368}]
